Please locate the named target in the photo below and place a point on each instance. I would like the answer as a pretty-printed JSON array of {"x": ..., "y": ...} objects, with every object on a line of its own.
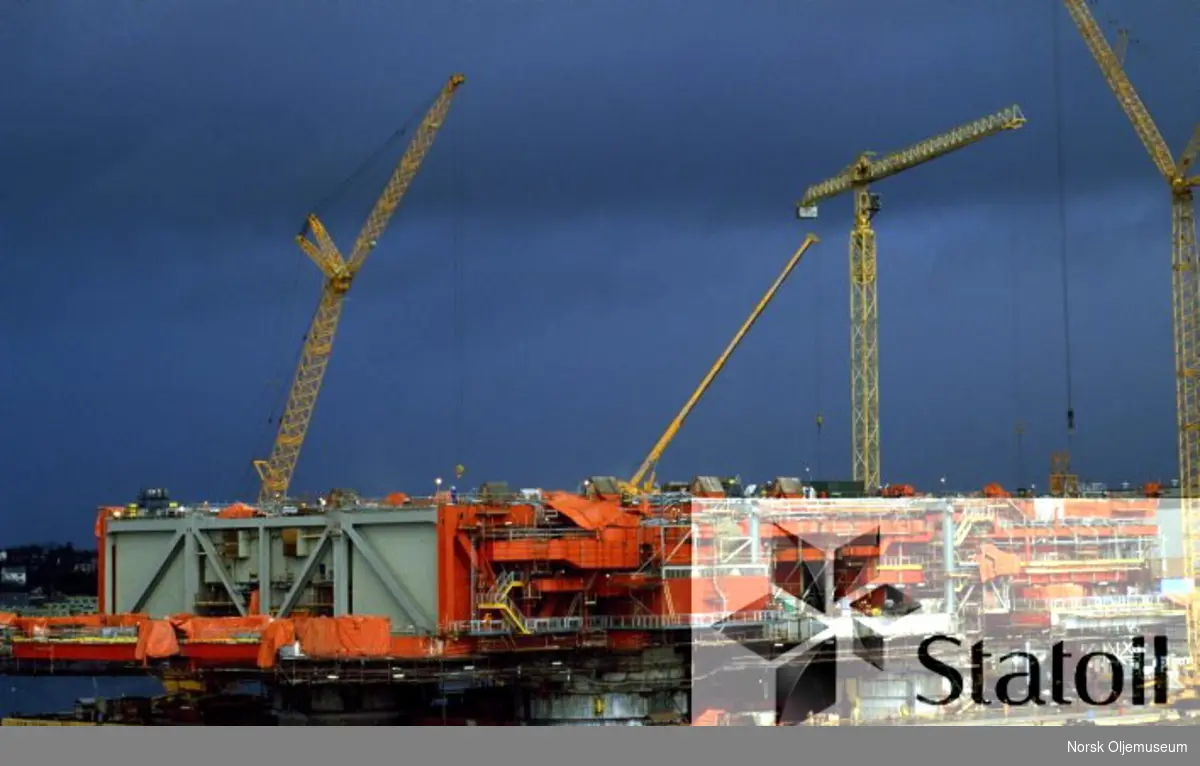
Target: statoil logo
[
  {"x": 806, "y": 665},
  {"x": 1024, "y": 684}
]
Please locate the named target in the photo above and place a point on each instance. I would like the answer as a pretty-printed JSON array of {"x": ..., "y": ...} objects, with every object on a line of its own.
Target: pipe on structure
[
  {"x": 948, "y": 558},
  {"x": 755, "y": 535}
]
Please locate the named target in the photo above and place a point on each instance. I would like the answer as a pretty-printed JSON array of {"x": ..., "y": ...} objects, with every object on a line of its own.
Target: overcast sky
[{"x": 610, "y": 195}]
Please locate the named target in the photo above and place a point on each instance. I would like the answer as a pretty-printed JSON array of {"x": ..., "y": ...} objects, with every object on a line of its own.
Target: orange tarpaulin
[
  {"x": 994, "y": 563},
  {"x": 218, "y": 628},
  {"x": 994, "y": 490},
  {"x": 156, "y": 640},
  {"x": 237, "y": 511},
  {"x": 588, "y": 513},
  {"x": 277, "y": 634},
  {"x": 710, "y": 717},
  {"x": 365, "y": 636},
  {"x": 347, "y": 637},
  {"x": 351, "y": 636},
  {"x": 1059, "y": 590}
]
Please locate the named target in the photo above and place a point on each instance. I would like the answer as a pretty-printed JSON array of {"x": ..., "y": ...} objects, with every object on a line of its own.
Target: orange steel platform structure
[{"x": 547, "y": 595}]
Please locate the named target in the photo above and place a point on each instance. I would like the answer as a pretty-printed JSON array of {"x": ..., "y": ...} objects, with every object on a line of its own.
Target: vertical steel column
[
  {"x": 948, "y": 558},
  {"x": 193, "y": 575},
  {"x": 264, "y": 570}
]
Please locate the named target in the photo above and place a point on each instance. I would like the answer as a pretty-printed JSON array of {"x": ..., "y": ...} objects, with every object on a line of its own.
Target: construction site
[{"x": 503, "y": 605}]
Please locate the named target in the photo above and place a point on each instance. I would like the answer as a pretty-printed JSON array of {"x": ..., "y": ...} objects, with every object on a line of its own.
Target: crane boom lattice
[
  {"x": 645, "y": 470},
  {"x": 276, "y": 472},
  {"x": 1185, "y": 294}
]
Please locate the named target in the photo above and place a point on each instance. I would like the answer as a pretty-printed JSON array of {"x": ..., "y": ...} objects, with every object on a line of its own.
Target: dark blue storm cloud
[{"x": 611, "y": 193}]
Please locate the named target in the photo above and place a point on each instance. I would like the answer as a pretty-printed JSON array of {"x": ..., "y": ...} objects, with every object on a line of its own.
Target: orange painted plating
[{"x": 585, "y": 558}]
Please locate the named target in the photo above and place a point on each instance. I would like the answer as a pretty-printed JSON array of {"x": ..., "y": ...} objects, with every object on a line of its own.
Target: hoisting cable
[
  {"x": 283, "y": 387},
  {"x": 1019, "y": 426},
  {"x": 456, "y": 216},
  {"x": 384, "y": 148},
  {"x": 322, "y": 206},
  {"x": 818, "y": 367},
  {"x": 1061, "y": 162},
  {"x": 278, "y": 383}
]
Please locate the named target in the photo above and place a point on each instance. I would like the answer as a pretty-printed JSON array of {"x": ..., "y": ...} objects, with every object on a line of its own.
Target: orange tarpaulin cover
[
  {"x": 347, "y": 637},
  {"x": 156, "y": 640},
  {"x": 218, "y": 628},
  {"x": 588, "y": 513},
  {"x": 365, "y": 636},
  {"x": 994, "y": 563},
  {"x": 351, "y": 636},
  {"x": 277, "y": 634},
  {"x": 710, "y": 717},
  {"x": 994, "y": 490},
  {"x": 1059, "y": 590},
  {"x": 237, "y": 511}
]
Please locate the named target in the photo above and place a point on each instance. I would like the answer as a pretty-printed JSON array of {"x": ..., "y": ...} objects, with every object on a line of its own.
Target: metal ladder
[
  {"x": 497, "y": 599},
  {"x": 968, "y": 520}
]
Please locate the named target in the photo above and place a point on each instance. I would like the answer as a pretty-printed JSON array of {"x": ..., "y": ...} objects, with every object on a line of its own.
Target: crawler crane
[{"x": 276, "y": 471}]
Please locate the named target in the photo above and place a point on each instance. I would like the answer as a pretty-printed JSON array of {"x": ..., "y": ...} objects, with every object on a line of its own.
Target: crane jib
[{"x": 276, "y": 472}]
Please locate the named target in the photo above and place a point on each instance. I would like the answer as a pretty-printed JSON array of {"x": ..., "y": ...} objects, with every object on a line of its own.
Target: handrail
[
  {"x": 649, "y": 622},
  {"x": 1094, "y": 603}
]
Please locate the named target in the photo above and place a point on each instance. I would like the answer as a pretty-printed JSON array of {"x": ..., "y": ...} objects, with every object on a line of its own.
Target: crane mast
[
  {"x": 647, "y": 466},
  {"x": 1185, "y": 293},
  {"x": 864, "y": 316},
  {"x": 276, "y": 471}
]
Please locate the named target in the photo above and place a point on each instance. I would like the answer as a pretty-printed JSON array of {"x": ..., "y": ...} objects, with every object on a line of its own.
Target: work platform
[{"x": 511, "y": 585}]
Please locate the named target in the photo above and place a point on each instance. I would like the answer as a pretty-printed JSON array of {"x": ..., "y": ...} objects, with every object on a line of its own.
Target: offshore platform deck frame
[
  {"x": 211, "y": 566},
  {"x": 440, "y": 572}
]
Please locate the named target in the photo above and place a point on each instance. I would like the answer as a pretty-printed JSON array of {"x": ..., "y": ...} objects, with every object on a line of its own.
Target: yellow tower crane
[
  {"x": 643, "y": 480},
  {"x": 276, "y": 472},
  {"x": 864, "y": 317},
  {"x": 1185, "y": 291}
]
